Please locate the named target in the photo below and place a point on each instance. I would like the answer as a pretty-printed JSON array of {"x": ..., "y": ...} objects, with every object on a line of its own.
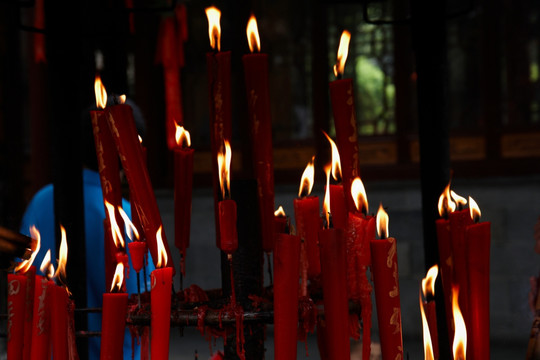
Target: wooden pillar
[{"x": 429, "y": 45}]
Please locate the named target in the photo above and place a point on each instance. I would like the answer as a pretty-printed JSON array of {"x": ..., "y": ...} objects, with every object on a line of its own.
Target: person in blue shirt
[{"x": 40, "y": 213}]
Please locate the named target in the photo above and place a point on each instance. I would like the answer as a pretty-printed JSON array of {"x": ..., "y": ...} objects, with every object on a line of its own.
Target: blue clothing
[{"x": 40, "y": 213}]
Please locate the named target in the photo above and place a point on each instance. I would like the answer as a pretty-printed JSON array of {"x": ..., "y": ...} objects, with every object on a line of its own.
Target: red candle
[
  {"x": 478, "y": 242},
  {"x": 343, "y": 109},
  {"x": 16, "y": 308},
  {"x": 137, "y": 250},
  {"x": 59, "y": 321},
  {"x": 160, "y": 303},
  {"x": 219, "y": 85},
  {"x": 260, "y": 124},
  {"x": 113, "y": 318},
  {"x": 281, "y": 222},
  {"x": 308, "y": 223},
  {"x": 286, "y": 269},
  {"x": 29, "y": 309},
  {"x": 226, "y": 207},
  {"x": 41, "y": 320},
  {"x": 338, "y": 206},
  {"x": 386, "y": 284},
  {"x": 334, "y": 276},
  {"x": 122, "y": 126},
  {"x": 183, "y": 183}
]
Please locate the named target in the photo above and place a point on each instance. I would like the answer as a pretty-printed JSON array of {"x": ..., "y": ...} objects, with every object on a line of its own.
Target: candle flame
[
  {"x": 117, "y": 236},
  {"x": 118, "y": 278},
  {"x": 122, "y": 99},
  {"x": 428, "y": 283},
  {"x": 474, "y": 210},
  {"x": 359, "y": 196},
  {"x": 459, "y": 346},
  {"x": 140, "y": 139},
  {"x": 336, "y": 162},
  {"x": 252, "y": 32},
  {"x": 224, "y": 166},
  {"x": 342, "y": 53},
  {"x": 131, "y": 230},
  {"x": 382, "y": 222},
  {"x": 459, "y": 200},
  {"x": 162, "y": 253},
  {"x": 214, "y": 27},
  {"x": 47, "y": 267},
  {"x": 182, "y": 136},
  {"x": 428, "y": 346},
  {"x": 61, "y": 274},
  {"x": 307, "y": 180},
  {"x": 280, "y": 212},
  {"x": 24, "y": 265},
  {"x": 326, "y": 202},
  {"x": 100, "y": 92},
  {"x": 446, "y": 205}
]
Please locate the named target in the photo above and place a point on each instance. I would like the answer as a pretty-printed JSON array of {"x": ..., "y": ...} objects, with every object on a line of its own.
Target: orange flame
[
  {"x": 224, "y": 166},
  {"x": 214, "y": 27},
  {"x": 140, "y": 139},
  {"x": 182, "y": 136},
  {"x": 162, "y": 253},
  {"x": 474, "y": 210},
  {"x": 336, "y": 162},
  {"x": 61, "y": 274},
  {"x": 446, "y": 205},
  {"x": 280, "y": 212},
  {"x": 118, "y": 239},
  {"x": 428, "y": 346},
  {"x": 252, "y": 33},
  {"x": 342, "y": 53},
  {"x": 122, "y": 99},
  {"x": 459, "y": 200},
  {"x": 326, "y": 202},
  {"x": 131, "y": 230},
  {"x": 24, "y": 265},
  {"x": 359, "y": 196},
  {"x": 307, "y": 180},
  {"x": 46, "y": 266},
  {"x": 100, "y": 92},
  {"x": 382, "y": 222},
  {"x": 459, "y": 346},
  {"x": 428, "y": 283},
  {"x": 118, "y": 277}
]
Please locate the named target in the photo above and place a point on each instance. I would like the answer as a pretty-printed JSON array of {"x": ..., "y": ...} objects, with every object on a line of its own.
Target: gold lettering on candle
[
  {"x": 10, "y": 319},
  {"x": 41, "y": 307},
  {"x": 113, "y": 127},
  {"x": 394, "y": 320},
  {"x": 153, "y": 283},
  {"x": 14, "y": 287},
  {"x": 391, "y": 253}
]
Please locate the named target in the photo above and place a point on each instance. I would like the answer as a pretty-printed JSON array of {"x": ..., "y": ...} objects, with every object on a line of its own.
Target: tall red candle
[
  {"x": 160, "y": 303},
  {"x": 59, "y": 321},
  {"x": 344, "y": 112},
  {"x": 386, "y": 284},
  {"x": 333, "y": 251},
  {"x": 219, "y": 92},
  {"x": 122, "y": 126},
  {"x": 16, "y": 308},
  {"x": 41, "y": 320},
  {"x": 478, "y": 242},
  {"x": 308, "y": 222},
  {"x": 286, "y": 269},
  {"x": 113, "y": 318},
  {"x": 338, "y": 206},
  {"x": 227, "y": 214},
  {"x": 281, "y": 222},
  {"x": 30, "y": 274},
  {"x": 260, "y": 124},
  {"x": 183, "y": 184}
]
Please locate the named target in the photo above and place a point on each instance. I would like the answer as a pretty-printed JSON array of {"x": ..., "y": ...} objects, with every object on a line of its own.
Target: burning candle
[
  {"x": 227, "y": 206},
  {"x": 109, "y": 172},
  {"x": 59, "y": 305},
  {"x": 343, "y": 109},
  {"x": 260, "y": 124},
  {"x": 386, "y": 283},
  {"x": 427, "y": 308},
  {"x": 219, "y": 85},
  {"x": 16, "y": 308},
  {"x": 41, "y": 345},
  {"x": 286, "y": 269},
  {"x": 160, "y": 303},
  {"x": 113, "y": 317},
  {"x": 281, "y": 221},
  {"x": 360, "y": 232},
  {"x": 459, "y": 345},
  {"x": 426, "y": 334},
  {"x": 308, "y": 223},
  {"x": 122, "y": 126},
  {"x": 334, "y": 274},
  {"x": 183, "y": 183},
  {"x": 338, "y": 206},
  {"x": 478, "y": 239}
]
